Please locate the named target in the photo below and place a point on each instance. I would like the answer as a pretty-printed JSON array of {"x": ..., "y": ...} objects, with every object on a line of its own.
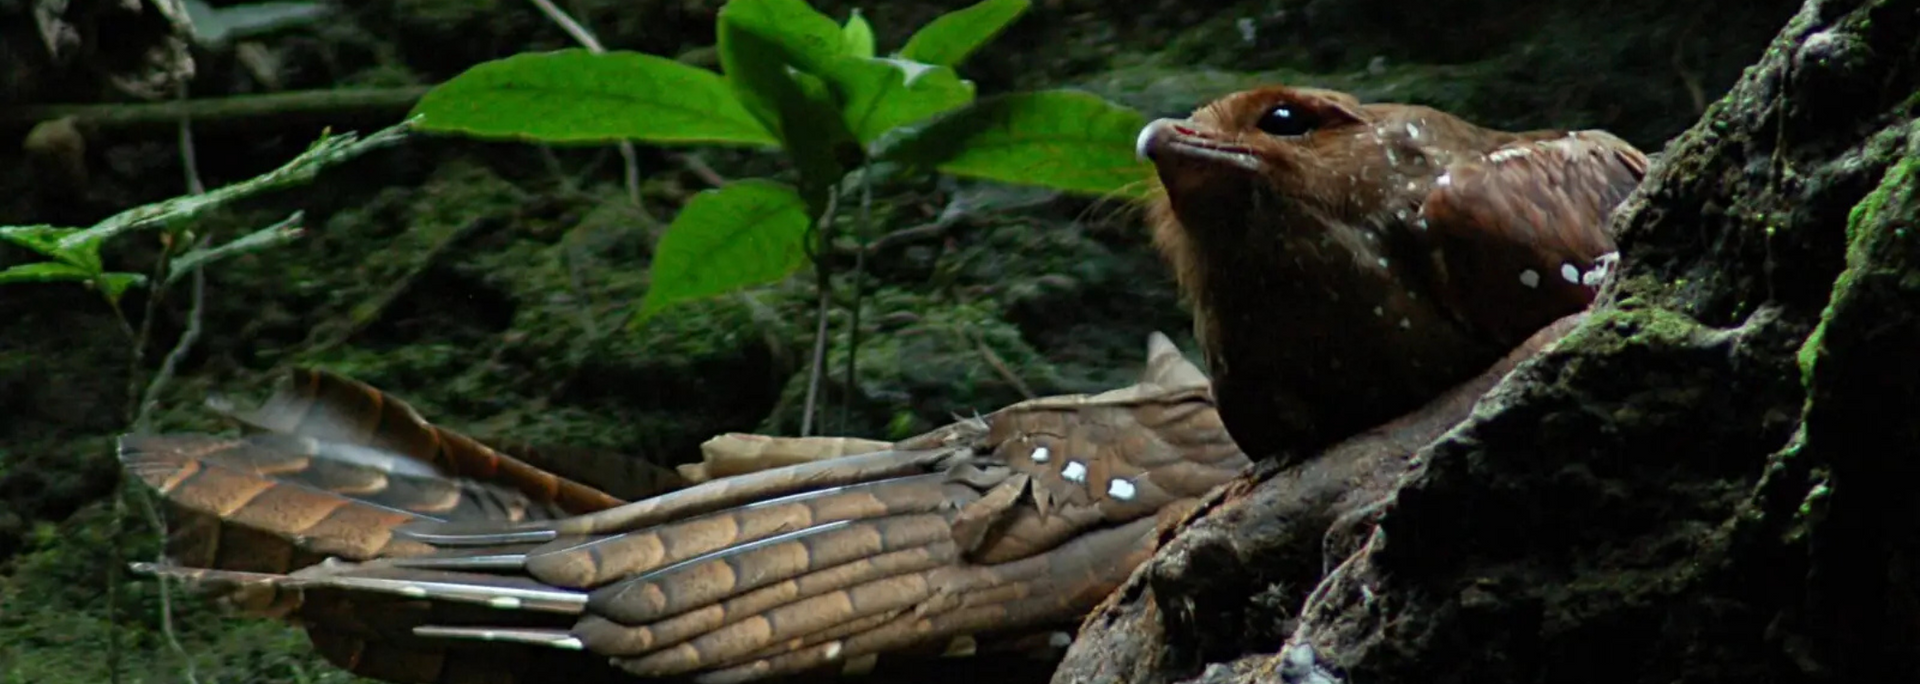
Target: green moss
[
  {"x": 1631, "y": 325},
  {"x": 1864, "y": 224}
]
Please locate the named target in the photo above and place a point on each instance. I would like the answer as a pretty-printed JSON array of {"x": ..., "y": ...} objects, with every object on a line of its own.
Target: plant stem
[
  {"x": 859, "y": 284},
  {"x": 823, "y": 280},
  {"x": 585, "y": 38}
]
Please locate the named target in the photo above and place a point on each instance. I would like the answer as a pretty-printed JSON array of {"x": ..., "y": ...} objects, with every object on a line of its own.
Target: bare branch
[{"x": 142, "y": 421}]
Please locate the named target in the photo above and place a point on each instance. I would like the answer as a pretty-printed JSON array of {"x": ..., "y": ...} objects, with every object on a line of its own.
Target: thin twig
[
  {"x": 143, "y": 421},
  {"x": 351, "y": 106},
  {"x": 700, "y": 169},
  {"x": 1000, "y": 366},
  {"x": 817, "y": 370},
  {"x": 859, "y": 283},
  {"x": 931, "y": 229},
  {"x": 117, "y": 566},
  {"x": 573, "y": 28},
  {"x": 143, "y": 413},
  {"x": 631, "y": 158},
  {"x": 166, "y": 590},
  {"x": 188, "y": 159},
  {"x": 585, "y": 38}
]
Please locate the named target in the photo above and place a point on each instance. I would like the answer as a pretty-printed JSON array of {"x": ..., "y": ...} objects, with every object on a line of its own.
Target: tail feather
[{"x": 333, "y": 408}]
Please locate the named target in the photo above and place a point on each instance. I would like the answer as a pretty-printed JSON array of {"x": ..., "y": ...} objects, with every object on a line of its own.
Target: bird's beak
[{"x": 1165, "y": 140}]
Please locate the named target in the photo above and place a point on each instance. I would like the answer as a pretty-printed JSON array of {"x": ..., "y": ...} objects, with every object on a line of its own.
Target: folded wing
[{"x": 990, "y": 533}]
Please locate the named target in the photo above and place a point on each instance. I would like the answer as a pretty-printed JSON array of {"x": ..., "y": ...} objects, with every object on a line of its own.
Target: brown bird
[
  {"x": 446, "y": 562},
  {"x": 1347, "y": 262}
]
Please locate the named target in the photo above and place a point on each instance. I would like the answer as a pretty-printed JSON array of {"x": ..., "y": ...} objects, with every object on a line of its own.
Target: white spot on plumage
[
  {"x": 1502, "y": 155},
  {"x": 1040, "y": 455},
  {"x": 1529, "y": 278},
  {"x": 1405, "y": 324},
  {"x": 1382, "y": 261},
  {"x": 1377, "y": 311},
  {"x": 1074, "y": 472},
  {"x": 1121, "y": 489},
  {"x": 1570, "y": 272}
]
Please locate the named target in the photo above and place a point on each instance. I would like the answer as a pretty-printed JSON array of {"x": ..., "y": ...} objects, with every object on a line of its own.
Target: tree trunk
[{"x": 1710, "y": 480}]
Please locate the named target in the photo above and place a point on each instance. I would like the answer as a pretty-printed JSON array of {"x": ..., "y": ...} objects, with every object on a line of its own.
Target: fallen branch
[{"x": 338, "y": 108}]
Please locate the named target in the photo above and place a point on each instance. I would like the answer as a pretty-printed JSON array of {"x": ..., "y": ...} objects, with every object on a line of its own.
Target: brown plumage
[
  {"x": 983, "y": 534},
  {"x": 1348, "y": 262}
]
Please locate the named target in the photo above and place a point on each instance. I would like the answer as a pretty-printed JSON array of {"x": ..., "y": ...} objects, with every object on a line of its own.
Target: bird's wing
[
  {"x": 983, "y": 532},
  {"x": 1521, "y": 237}
]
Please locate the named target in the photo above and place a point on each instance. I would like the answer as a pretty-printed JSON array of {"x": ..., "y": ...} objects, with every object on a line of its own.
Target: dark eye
[{"x": 1285, "y": 120}]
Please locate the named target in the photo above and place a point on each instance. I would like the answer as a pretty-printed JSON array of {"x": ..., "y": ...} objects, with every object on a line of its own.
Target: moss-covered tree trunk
[{"x": 1712, "y": 480}]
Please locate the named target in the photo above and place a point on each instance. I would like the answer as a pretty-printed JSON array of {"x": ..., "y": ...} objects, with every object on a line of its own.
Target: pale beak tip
[{"x": 1143, "y": 143}]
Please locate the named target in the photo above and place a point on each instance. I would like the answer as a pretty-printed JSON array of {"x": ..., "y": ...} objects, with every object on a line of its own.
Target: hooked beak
[{"x": 1165, "y": 140}]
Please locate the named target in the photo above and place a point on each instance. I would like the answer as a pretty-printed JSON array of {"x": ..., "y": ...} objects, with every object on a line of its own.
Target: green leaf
[
  {"x": 950, "y": 38},
  {"x": 879, "y": 95},
  {"x": 1062, "y": 139},
  {"x": 746, "y": 233},
  {"x": 858, "y": 35},
  {"x": 575, "y": 96},
  {"x": 113, "y": 285},
  {"x": 42, "y": 239},
  {"x": 46, "y": 240},
  {"x": 44, "y": 272},
  {"x": 760, "y": 63},
  {"x": 808, "y": 38}
]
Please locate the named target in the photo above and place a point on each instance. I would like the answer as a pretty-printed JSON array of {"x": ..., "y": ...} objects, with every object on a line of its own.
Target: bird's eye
[{"x": 1285, "y": 120}]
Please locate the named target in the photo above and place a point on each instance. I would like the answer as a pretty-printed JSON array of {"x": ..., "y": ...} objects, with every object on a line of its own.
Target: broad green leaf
[
  {"x": 760, "y": 67},
  {"x": 858, "y": 35},
  {"x": 809, "y": 38},
  {"x": 113, "y": 285},
  {"x": 746, "y": 233},
  {"x": 44, "y": 272},
  {"x": 575, "y": 96},
  {"x": 879, "y": 95},
  {"x": 951, "y": 37},
  {"x": 1062, "y": 139}
]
